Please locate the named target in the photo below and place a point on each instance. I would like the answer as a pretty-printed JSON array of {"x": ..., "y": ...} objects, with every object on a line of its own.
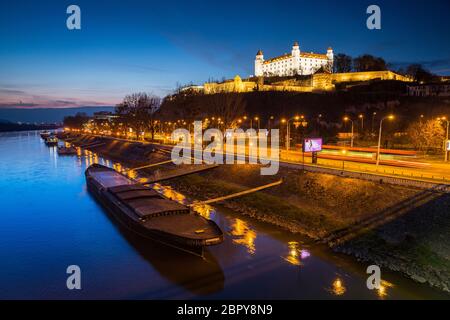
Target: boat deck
[
  {"x": 184, "y": 225},
  {"x": 109, "y": 178},
  {"x": 147, "y": 202}
]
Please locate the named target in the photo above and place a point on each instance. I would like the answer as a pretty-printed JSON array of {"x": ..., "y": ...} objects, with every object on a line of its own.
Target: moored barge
[
  {"x": 150, "y": 214},
  {"x": 51, "y": 141},
  {"x": 62, "y": 150}
]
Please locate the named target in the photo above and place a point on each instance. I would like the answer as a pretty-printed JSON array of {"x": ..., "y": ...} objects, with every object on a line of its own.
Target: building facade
[
  {"x": 429, "y": 90},
  {"x": 295, "y": 63}
]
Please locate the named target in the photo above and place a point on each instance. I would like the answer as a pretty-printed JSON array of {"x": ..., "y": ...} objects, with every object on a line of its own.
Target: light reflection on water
[{"x": 50, "y": 221}]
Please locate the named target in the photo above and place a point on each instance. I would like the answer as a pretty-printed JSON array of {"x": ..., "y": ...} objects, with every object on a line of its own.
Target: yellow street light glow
[
  {"x": 296, "y": 117},
  {"x": 391, "y": 117},
  {"x": 283, "y": 120},
  {"x": 346, "y": 118},
  {"x": 361, "y": 116},
  {"x": 245, "y": 117},
  {"x": 256, "y": 118}
]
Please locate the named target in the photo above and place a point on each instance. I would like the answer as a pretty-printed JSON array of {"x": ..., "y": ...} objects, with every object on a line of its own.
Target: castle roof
[
  {"x": 313, "y": 55},
  {"x": 310, "y": 55},
  {"x": 280, "y": 58},
  {"x": 259, "y": 53}
]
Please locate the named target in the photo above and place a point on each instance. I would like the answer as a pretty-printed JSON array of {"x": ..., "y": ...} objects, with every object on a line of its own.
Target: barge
[
  {"x": 45, "y": 134},
  {"x": 51, "y": 141},
  {"x": 150, "y": 214},
  {"x": 62, "y": 151}
]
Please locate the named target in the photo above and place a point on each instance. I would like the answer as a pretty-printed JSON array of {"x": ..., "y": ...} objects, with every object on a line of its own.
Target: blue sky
[{"x": 129, "y": 46}]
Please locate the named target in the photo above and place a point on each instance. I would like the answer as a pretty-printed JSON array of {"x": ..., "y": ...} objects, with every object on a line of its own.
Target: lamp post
[
  {"x": 361, "y": 116},
  {"x": 257, "y": 119},
  {"x": 390, "y": 117},
  {"x": 286, "y": 142},
  {"x": 270, "y": 122},
  {"x": 288, "y": 132},
  {"x": 373, "y": 122},
  {"x": 348, "y": 119},
  {"x": 446, "y": 137}
]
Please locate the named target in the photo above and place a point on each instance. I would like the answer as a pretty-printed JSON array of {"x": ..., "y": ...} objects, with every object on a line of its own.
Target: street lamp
[
  {"x": 348, "y": 119},
  {"x": 257, "y": 119},
  {"x": 270, "y": 122},
  {"x": 389, "y": 117},
  {"x": 361, "y": 116},
  {"x": 287, "y": 143},
  {"x": 446, "y": 136},
  {"x": 288, "y": 132},
  {"x": 373, "y": 122}
]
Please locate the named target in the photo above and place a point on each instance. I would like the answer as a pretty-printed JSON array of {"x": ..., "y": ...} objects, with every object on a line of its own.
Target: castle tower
[
  {"x": 259, "y": 60},
  {"x": 330, "y": 57},
  {"x": 296, "y": 59},
  {"x": 296, "y": 50}
]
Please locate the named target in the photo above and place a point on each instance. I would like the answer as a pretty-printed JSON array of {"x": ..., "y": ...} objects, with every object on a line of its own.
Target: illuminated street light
[
  {"x": 373, "y": 123},
  {"x": 389, "y": 117},
  {"x": 348, "y": 119},
  {"x": 361, "y": 116},
  {"x": 288, "y": 132},
  {"x": 257, "y": 119}
]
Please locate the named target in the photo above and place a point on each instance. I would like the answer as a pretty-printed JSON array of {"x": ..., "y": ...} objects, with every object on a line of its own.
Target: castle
[{"x": 295, "y": 63}]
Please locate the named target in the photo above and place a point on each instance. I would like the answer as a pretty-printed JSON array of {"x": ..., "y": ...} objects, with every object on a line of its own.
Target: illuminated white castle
[{"x": 295, "y": 63}]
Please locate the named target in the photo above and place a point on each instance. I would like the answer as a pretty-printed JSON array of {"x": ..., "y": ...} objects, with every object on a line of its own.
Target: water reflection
[
  {"x": 338, "y": 288},
  {"x": 168, "y": 192},
  {"x": 382, "y": 291},
  {"x": 243, "y": 235},
  {"x": 205, "y": 210},
  {"x": 198, "y": 275},
  {"x": 296, "y": 255}
]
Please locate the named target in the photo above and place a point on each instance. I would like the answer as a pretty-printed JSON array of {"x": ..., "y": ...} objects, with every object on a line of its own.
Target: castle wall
[
  {"x": 367, "y": 76},
  {"x": 317, "y": 82}
]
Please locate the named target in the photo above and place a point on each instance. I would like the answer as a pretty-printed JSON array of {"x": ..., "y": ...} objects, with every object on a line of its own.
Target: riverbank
[{"x": 317, "y": 205}]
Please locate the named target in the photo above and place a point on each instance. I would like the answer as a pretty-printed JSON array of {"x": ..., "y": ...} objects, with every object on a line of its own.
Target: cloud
[{"x": 14, "y": 98}]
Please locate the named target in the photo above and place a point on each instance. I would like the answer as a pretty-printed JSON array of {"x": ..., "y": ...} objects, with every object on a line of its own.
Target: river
[{"x": 49, "y": 221}]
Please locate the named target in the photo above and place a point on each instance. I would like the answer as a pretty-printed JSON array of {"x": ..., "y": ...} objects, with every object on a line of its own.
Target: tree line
[{"x": 344, "y": 63}]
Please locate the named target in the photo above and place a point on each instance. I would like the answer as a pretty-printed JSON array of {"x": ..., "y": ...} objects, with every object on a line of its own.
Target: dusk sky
[{"x": 130, "y": 46}]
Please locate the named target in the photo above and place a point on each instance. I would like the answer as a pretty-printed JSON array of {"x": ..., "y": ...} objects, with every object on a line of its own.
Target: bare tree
[
  {"x": 137, "y": 111},
  {"x": 342, "y": 63},
  {"x": 368, "y": 62},
  {"x": 228, "y": 106}
]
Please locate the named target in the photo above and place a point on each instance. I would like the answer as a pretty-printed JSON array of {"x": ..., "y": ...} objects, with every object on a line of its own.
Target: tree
[
  {"x": 342, "y": 63},
  {"x": 426, "y": 135},
  {"x": 368, "y": 62},
  {"x": 228, "y": 107},
  {"x": 137, "y": 111},
  {"x": 76, "y": 121},
  {"x": 419, "y": 73}
]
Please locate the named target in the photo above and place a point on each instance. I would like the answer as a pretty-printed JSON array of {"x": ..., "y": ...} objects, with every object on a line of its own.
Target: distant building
[
  {"x": 294, "y": 63},
  {"x": 429, "y": 90},
  {"x": 104, "y": 116}
]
